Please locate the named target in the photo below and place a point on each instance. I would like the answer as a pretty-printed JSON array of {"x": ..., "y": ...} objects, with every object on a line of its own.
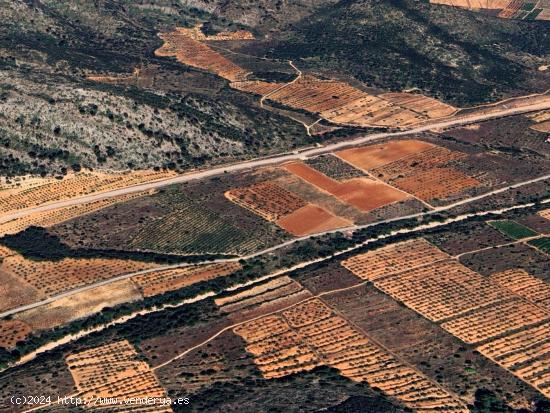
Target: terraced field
[
  {"x": 189, "y": 51},
  {"x": 507, "y": 9},
  {"x": 482, "y": 311},
  {"x": 115, "y": 371},
  {"x": 311, "y": 334}
]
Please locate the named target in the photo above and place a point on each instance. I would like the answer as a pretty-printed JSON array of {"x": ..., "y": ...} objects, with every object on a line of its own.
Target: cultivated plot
[
  {"x": 311, "y": 334},
  {"x": 116, "y": 371}
]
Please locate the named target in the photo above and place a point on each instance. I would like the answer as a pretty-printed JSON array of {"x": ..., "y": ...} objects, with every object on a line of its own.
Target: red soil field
[
  {"x": 266, "y": 199},
  {"x": 363, "y": 193},
  {"x": 311, "y": 219},
  {"x": 436, "y": 183},
  {"x": 373, "y": 156}
]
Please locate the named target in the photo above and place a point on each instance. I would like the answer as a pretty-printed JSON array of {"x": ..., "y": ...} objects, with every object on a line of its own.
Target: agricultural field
[
  {"x": 309, "y": 334},
  {"x": 83, "y": 183},
  {"x": 264, "y": 298},
  {"x": 416, "y": 167},
  {"x": 334, "y": 168},
  {"x": 393, "y": 259},
  {"x": 185, "y": 220},
  {"x": 516, "y": 256},
  {"x": 474, "y": 308},
  {"x": 53, "y": 217},
  {"x": 54, "y": 277},
  {"x": 187, "y": 49},
  {"x": 541, "y": 244},
  {"x": 11, "y": 332},
  {"x": 115, "y": 371},
  {"x": 341, "y": 103},
  {"x": 507, "y": 9},
  {"x": 285, "y": 208},
  {"x": 426, "y": 346},
  {"x": 365, "y": 194},
  {"x": 521, "y": 283},
  {"x": 466, "y": 237},
  {"x": 512, "y": 229},
  {"x": 159, "y": 282}
]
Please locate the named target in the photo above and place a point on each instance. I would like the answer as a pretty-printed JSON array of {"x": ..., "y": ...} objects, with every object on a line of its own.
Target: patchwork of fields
[
  {"x": 487, "y": 312},
  {"x": 333, "y": 100}
]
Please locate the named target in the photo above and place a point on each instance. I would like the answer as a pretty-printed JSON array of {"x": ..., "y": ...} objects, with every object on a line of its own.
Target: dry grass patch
[
  {"x": 13, "y": 331},
  {"x": 80, "y": 305}
]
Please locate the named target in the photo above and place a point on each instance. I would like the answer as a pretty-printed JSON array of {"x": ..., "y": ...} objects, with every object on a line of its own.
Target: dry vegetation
[
  {"x": 80, "y": 305},
  {"x": 12, "y": 331},
  {"x": 71, "y": 186},
  {"x": 53, "y": 277},
  {"x": 115, "y": 371},
  {"x": 168, "y": 280},
  {"x": 310, "y": 334}
]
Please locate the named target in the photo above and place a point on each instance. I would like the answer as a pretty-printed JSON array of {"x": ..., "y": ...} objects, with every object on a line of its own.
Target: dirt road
[{"x": 455, "y": 121}]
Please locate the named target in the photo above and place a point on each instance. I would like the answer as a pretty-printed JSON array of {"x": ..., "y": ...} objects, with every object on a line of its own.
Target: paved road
[
  {"x": 455, "y": 121},
  {"x": 270, "y": 249}
]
